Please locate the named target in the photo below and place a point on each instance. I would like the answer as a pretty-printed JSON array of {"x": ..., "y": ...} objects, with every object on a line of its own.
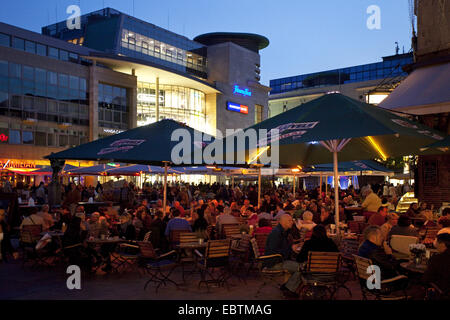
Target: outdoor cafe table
[
  {"x": 354, "y": 210},
  {"x": 192, "y": 245},
  {"x": 414, "y": 268},
  {"x": 108, "y": 244}
]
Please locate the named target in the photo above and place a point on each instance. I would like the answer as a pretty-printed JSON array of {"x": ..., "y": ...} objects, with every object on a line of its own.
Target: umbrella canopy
[
  {"x": 366, "y": 132},
  {"x": 90, "y": 171},
  {"x": 442, "y": 145},
  {"x": 136, "y": 170},
  {"x": 365, "y": 166},
  {"x": 151, "y": 144},
  {"x": 315, "y": 132}
]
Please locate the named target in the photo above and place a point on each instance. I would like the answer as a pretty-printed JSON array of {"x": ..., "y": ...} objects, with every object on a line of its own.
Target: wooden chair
[
  {"x": 216, "y": 256},
  {"x": 430, "y": 236},
  {"x": 274, "y": 223},
  {"x": 261, "y": 239},
  {"x": 322, "y": 271},
  {"x": 241, "y": 255},
  {"x": 349, "y": 248},
  {"x": 186, "y": 257},
  {"x": 384, "y": 293},
  {"x": 174, "y": 237},
  {"x": 159, "y": 267},
  {"x": 29, "y": 237},
  {"x": 266, "y": 274},
  {"x": 229, "y": 230}
]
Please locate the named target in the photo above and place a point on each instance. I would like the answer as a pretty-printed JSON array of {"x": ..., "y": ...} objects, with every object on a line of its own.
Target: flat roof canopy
[
  {"x": 424, "y": 91},
  {"x": 148, "y": 72}
]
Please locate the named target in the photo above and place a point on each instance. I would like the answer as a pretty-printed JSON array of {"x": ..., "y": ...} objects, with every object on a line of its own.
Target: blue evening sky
[{"x": 305, "y": 35}]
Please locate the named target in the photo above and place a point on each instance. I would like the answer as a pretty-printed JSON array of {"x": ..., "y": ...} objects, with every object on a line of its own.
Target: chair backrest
[
  {"x": 261, "y": 239},
  {"x": 146, "y": 249},
  {"x": 244, "y": 244},
  {"x": 431, "y": 233},
  {"x": 361, "y": 266},
  {"x": 147, "y": 236},
  {"x": 401, "y": 243},
  {"x": 30, "y": 233},
  {"x": 175, "y": 235},
  {"x": 188, "y": 237},
  {"x": 323, "y": 262},
  {"x": 255, "y": 247},
  {"x": 349, "y": 247},
  {"x": 359, "y": 218},
  {"x": 354, "y": 226},
  {"x": 274, "y": 223},
  {"x": 230, "y": 230},
  {"x": 217, "y": 250}
]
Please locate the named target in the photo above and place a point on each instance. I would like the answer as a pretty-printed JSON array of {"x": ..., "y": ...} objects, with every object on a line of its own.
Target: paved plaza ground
[{"x": 17, "y": 282}]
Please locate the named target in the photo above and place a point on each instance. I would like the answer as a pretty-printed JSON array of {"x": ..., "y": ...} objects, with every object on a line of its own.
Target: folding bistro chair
[
  {"x": 261, "y": 239},
  {"x": 186, "y": 256},
  {"x": 348, "y": 249},
  {"x": 174, "y": 237},
  {"x": 229, "y": 230},
  {"x": 159, "y": 267},
  {"x": 216, "y": 256},
  {"x": 322, "y": 271},
  {"x": 266, "y": 274},
  {"x": 384, "y": 293},
  {"x": 29, "y": 238}
]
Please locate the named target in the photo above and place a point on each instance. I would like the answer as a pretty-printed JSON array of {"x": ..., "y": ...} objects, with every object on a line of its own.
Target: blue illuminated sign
[
  {"x": 244, "y": 92},
  {"x": 237, "y": 107}
]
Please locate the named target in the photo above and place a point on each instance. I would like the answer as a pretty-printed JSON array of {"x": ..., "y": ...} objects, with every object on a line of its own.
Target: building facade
[
  {"x": 369, "y": 82},
  {"x": 66, "y": 87}
]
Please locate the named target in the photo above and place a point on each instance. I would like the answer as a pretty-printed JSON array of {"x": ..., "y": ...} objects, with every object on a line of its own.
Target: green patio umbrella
[
  {"x": 443, "y": 145},
  {"x": 151, "y": 144},
  {"x": 314, "y": 133}
]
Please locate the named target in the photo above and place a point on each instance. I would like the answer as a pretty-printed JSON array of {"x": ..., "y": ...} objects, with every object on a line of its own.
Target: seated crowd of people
[{"x": 300, "y": 224}]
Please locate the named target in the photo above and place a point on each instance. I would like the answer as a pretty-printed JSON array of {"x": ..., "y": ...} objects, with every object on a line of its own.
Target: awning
[{"x": 424, "y": 91}]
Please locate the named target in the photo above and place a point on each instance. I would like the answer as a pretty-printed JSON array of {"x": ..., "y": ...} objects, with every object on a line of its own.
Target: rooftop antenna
[
  {"x": 396, "y": 48},
  {"x": 133, "y": 8},
  {"x": 168, "y": 19}
]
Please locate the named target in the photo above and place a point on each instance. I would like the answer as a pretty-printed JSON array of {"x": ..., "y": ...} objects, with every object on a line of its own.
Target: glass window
[
  {"x": 53, "y": 52},
  {"x": 74, "y": 140},
  {"x": 3, "y": 68},
  {"x": 15, "y": 70},
  {"x": 52, "y": 78},
  {"x": 41, "y": 49},
  {"x": 117, "y": 117},
  {"x": 63, "y": 55},
  {"x": 63, "y": 140},
  {"x": 41, "y": 138},
  {"x": 18, "y": 43},
  {"x": 73, "y": 57},
  {"x": 5, "y": 40},
  {"x": 50, "y": 139},
  {"x": 52, "y": 106},
  {"x": 28, "y": 73},
  {"x": 52, "y": 92},
  {"x": 14, "y": 136},
  {"x": 30, "y": 47},
  {"x": 83, "y": 84},
  {"x": 27, "y": 137},
  {"x": 40, "y": 75},
  {"x": 15, "y": 86},
  {"x": 73, "y": 82},
  {"x": 63, "y": 80}
]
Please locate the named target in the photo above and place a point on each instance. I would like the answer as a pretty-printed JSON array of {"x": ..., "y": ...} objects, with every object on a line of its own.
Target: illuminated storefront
[{"x": 182, "y": 104}]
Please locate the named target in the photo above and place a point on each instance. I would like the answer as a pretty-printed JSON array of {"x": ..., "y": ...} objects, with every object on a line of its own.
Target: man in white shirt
[{"x": 33, "y": 219}]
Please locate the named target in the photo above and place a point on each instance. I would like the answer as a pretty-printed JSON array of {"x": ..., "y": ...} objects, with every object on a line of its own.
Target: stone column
[
  {"x": 54, "y": 187},
  {"x": 132, "y": 101},
  {"x": 157, "y": 99},
  {"x": 93, "y": 102}
]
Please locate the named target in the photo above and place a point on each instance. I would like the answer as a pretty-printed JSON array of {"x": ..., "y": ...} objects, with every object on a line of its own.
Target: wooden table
[
  {"x": 192, "y": 245},
  {"x": 412, "y": 267}
]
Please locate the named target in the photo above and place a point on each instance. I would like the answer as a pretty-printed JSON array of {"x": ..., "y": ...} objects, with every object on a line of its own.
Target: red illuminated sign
[{"x": 3, "y": 137}]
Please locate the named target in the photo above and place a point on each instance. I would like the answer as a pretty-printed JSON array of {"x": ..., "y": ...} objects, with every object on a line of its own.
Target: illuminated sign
[
  {"x": 113, "y": 131},
  {"x": 237, "y": 107},
  {"x": 244, "y": 92},
  {"x": 3, "y": 138},
  {"x": 5, "y": 164}
]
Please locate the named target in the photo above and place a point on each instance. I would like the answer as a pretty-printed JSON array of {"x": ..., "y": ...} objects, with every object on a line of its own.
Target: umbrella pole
[
  {"x": 165, "y": 188},
  {"x": 320, "y": 186},
  {"x": 336, "y": 191},
  {"x": 326, "y": 186},
  {"x": 293, "y": 191},
  {"x": 259, "y": 187}
]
